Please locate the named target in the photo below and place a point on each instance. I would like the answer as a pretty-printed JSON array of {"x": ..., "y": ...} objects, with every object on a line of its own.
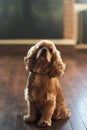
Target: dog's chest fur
[{"x": 40, "y": 89}]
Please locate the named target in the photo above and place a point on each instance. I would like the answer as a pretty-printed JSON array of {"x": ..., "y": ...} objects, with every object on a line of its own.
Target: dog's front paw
[
  {"x": 44, "y": 123},
  {"x": 27, "y": 118}
]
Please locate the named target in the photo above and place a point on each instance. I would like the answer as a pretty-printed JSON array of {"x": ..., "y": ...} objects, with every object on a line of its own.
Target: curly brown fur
[{"x": 43, "y": 91}]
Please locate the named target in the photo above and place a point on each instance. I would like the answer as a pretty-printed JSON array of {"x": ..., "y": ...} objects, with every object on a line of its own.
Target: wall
[{"x": 68, "y": 18}]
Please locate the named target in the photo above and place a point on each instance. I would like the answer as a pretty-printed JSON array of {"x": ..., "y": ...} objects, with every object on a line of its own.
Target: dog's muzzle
[{"x": 44, "y": 52}]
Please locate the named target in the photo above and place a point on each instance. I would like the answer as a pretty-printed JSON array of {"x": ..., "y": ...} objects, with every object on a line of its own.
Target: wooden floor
[{"x": 12, "y": 83}]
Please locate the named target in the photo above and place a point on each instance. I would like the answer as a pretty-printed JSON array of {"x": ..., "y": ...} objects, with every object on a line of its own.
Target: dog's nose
[{"x": 44, "y": 50}]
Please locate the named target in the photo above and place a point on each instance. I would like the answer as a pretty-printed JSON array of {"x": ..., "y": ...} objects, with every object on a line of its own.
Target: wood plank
[
  {"x": 7, "y": 100},
  {"x": 80, "y": 101},
  {"x": 73, "y": 86},
  {"x": 75, "y": 119},
  {"x": 13, "y": 106},
  {"x": 56, "y": 125}
]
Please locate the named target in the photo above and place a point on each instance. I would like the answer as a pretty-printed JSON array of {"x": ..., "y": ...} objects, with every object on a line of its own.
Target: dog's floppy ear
[
  {"x": 29, "y": 58},
  {"x": 57, "y": 65}
]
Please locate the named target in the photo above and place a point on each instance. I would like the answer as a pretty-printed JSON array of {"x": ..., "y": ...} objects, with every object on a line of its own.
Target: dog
[{"x": 43, "y": 91}]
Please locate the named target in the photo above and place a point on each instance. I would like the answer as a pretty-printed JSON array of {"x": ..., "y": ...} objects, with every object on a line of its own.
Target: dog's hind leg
[{"x": 61, "y": 112}]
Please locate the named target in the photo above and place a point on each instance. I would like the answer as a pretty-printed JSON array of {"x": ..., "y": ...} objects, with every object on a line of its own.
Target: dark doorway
[
  {"x": 82, "y": 27},
  {"x": 31, "y": 19}
]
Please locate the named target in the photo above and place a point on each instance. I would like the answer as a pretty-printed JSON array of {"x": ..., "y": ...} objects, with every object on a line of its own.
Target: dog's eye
[{"x": 50, "y": 50}]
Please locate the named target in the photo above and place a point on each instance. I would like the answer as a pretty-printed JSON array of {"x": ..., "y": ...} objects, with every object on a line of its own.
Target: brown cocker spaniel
[{"x": 43, "y": 91}]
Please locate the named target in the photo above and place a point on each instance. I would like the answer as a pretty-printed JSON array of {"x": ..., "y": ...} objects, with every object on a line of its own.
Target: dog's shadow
[{"x": 56, "y": 125}]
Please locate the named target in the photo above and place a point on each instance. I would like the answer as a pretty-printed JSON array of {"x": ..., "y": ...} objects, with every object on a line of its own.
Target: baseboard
[
  {"x": 81, "y": 46},
  {"x": 34, "y": 41}
]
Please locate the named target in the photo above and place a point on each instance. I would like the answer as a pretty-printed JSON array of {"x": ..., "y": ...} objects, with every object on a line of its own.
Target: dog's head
[{"x": 44, "y": 58}]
